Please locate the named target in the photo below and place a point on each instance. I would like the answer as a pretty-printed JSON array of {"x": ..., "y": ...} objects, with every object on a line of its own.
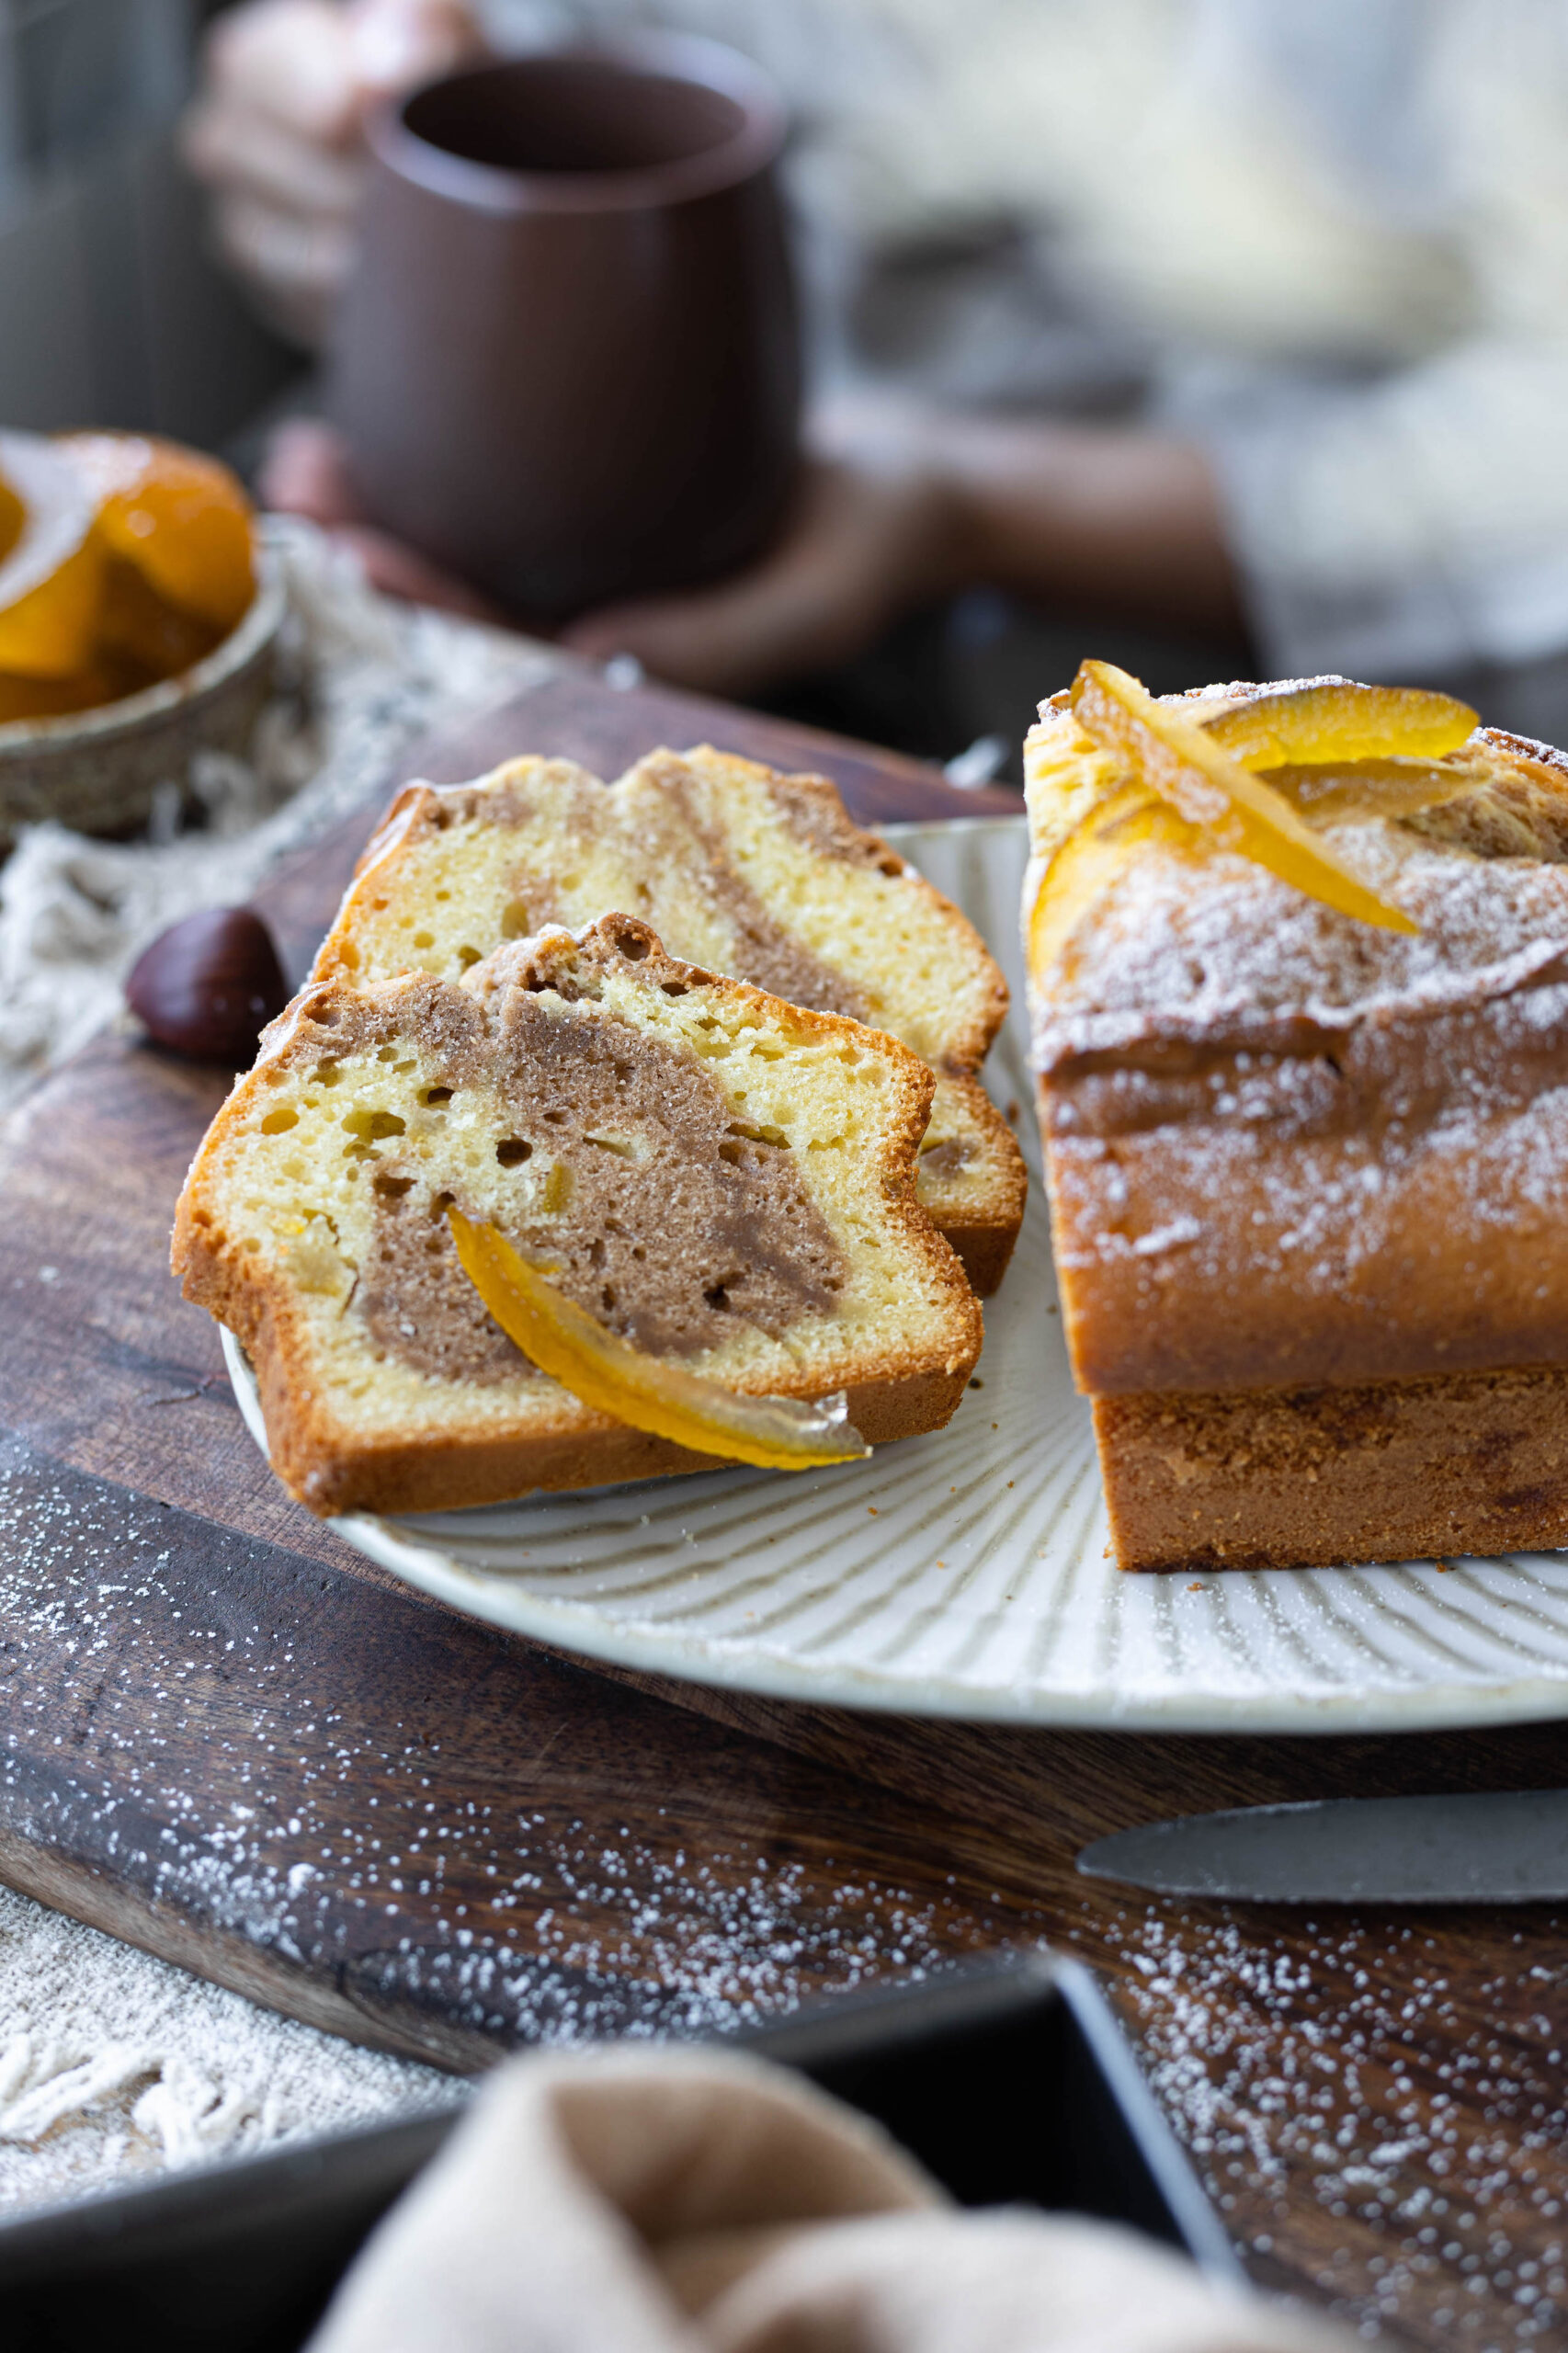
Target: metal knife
[{"x": 1496, "y": 1847}]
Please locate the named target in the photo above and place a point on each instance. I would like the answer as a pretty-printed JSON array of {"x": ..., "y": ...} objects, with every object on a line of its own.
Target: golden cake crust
[
  {"x": 1469, "y": 1462},
  {"x": 1307, "y": 1177},
  {"x": 1286, "y": 1148}
]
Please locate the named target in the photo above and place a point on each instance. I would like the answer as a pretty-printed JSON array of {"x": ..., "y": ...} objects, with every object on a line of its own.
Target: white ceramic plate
[{"x": 966, "y": 1574}]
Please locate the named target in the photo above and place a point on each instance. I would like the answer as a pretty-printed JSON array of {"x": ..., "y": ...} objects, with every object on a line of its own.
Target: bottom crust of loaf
[
  {"x": 1395, "y": 1471},
  {"x": 435, "y": 1474}
]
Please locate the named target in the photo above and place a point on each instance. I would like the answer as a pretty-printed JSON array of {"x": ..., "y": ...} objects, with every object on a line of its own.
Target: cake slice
[
  {"x": 1308, "y": 1169},
  {"x": 745, "y": 871},
  {"x": 722, "y": 1180}
]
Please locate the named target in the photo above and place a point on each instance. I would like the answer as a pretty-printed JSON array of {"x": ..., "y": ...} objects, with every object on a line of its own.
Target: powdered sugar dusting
[
  {"x": 329, "y": 1838},
  {"x": 1224, "y": 952},
  {"x": 1374, "y": 1125},
  {"x": 1327, "y": 2094}
]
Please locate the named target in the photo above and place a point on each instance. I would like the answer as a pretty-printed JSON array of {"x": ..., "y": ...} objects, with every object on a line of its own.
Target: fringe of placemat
[{"x": 115, "y": 2065}]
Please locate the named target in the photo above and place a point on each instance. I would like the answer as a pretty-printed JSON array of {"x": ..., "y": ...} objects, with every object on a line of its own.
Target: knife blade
[{"x": 1488, "y": 1847}]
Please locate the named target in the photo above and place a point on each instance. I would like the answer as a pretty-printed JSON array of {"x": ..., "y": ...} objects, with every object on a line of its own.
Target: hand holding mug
[
  {"x": 276, "y": 131},
  {"x": 567, "y": 364}
]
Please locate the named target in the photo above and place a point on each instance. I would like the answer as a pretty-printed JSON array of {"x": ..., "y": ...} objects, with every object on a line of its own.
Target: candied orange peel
[
  {"x": 1334, "y": 720},
  {"x": 1090, "y": 858},
  {"x": 1341, "y": 791},
  {"x": 123, "y": 560},
  {"x": 1178, "y": 758},
  {"x": 177, "y": 518},
  {"x": 647, "y": 1393},
  {"x": 52, "y": 578},
  {"x": 13, "y": 518}
]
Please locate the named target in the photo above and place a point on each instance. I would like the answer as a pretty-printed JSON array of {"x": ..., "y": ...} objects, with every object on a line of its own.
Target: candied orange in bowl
[{"x": 124, "y": 560}]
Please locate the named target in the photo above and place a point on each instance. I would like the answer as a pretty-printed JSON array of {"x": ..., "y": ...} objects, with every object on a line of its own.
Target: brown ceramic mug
[{"x": 568, "y": 361}]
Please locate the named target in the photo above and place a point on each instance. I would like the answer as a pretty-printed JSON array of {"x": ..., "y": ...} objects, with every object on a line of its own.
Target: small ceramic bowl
[{"x": 98, "y": 772}]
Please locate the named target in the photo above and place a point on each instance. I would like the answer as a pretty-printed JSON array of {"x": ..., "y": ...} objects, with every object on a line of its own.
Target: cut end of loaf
[{"x": 718, "y": 1177}]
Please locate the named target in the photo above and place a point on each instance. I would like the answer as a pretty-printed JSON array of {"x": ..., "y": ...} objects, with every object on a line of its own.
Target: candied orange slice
[
  {"x": 51, "y": 581},
  {"x": 1337, "y": 790},
  {"x": 1181, "y": 761},
  {"x": 181, "y": 518},
  {"x": 1335, "y": 720},
  {"x": 648, "y": 1393},
  {"x": 137, "y": 626},
  {"x": 54, "y": 698},
  {"x": 13, "y": 518},
  {"x": 1090, "y": 859}
]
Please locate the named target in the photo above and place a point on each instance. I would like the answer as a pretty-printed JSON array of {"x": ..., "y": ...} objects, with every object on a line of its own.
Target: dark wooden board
[{"x": 233, "y": 1741}]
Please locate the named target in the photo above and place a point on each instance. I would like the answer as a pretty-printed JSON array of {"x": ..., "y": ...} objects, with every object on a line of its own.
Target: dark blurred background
[
  {"x": 112, "y": 311},
  {"x": 116, "y": 311},
  {"x": 1302, "y": 270}
]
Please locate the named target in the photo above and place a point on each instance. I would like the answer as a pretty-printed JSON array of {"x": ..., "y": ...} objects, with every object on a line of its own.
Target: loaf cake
[
  {"x": 742, "y": 870},
  {"x": 722, "y": 1181},
  {"x": 1308, "y": 1167}
]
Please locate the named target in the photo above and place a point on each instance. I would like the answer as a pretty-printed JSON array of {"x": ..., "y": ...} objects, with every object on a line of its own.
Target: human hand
[
  {"x": 275, "y": 132},
  {"x": 874, "y": 531},
  {"x": 899, "y": 507},
  {"x": 305, "y": 472},
  {"x": 895, "y": 508},
  {"x": 814, "y": 599}
]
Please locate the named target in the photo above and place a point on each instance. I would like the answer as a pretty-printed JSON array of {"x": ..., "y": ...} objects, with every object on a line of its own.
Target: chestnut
[{"x": 208, "y": 985}]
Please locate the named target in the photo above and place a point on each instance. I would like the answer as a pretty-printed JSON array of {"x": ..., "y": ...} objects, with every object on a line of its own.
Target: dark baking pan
[{"x": 1008, "y": 2080}]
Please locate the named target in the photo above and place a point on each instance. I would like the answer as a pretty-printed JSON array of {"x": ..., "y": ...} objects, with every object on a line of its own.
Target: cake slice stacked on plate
[
  {"x": 749, "y": 872},
  {"x": 1298, "y": 972},
  {"x": 690, "y": 1201}
]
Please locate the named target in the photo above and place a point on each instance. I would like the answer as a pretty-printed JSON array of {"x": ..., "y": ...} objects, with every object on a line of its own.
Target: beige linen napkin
[{"x": 699, "y": 2202}]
